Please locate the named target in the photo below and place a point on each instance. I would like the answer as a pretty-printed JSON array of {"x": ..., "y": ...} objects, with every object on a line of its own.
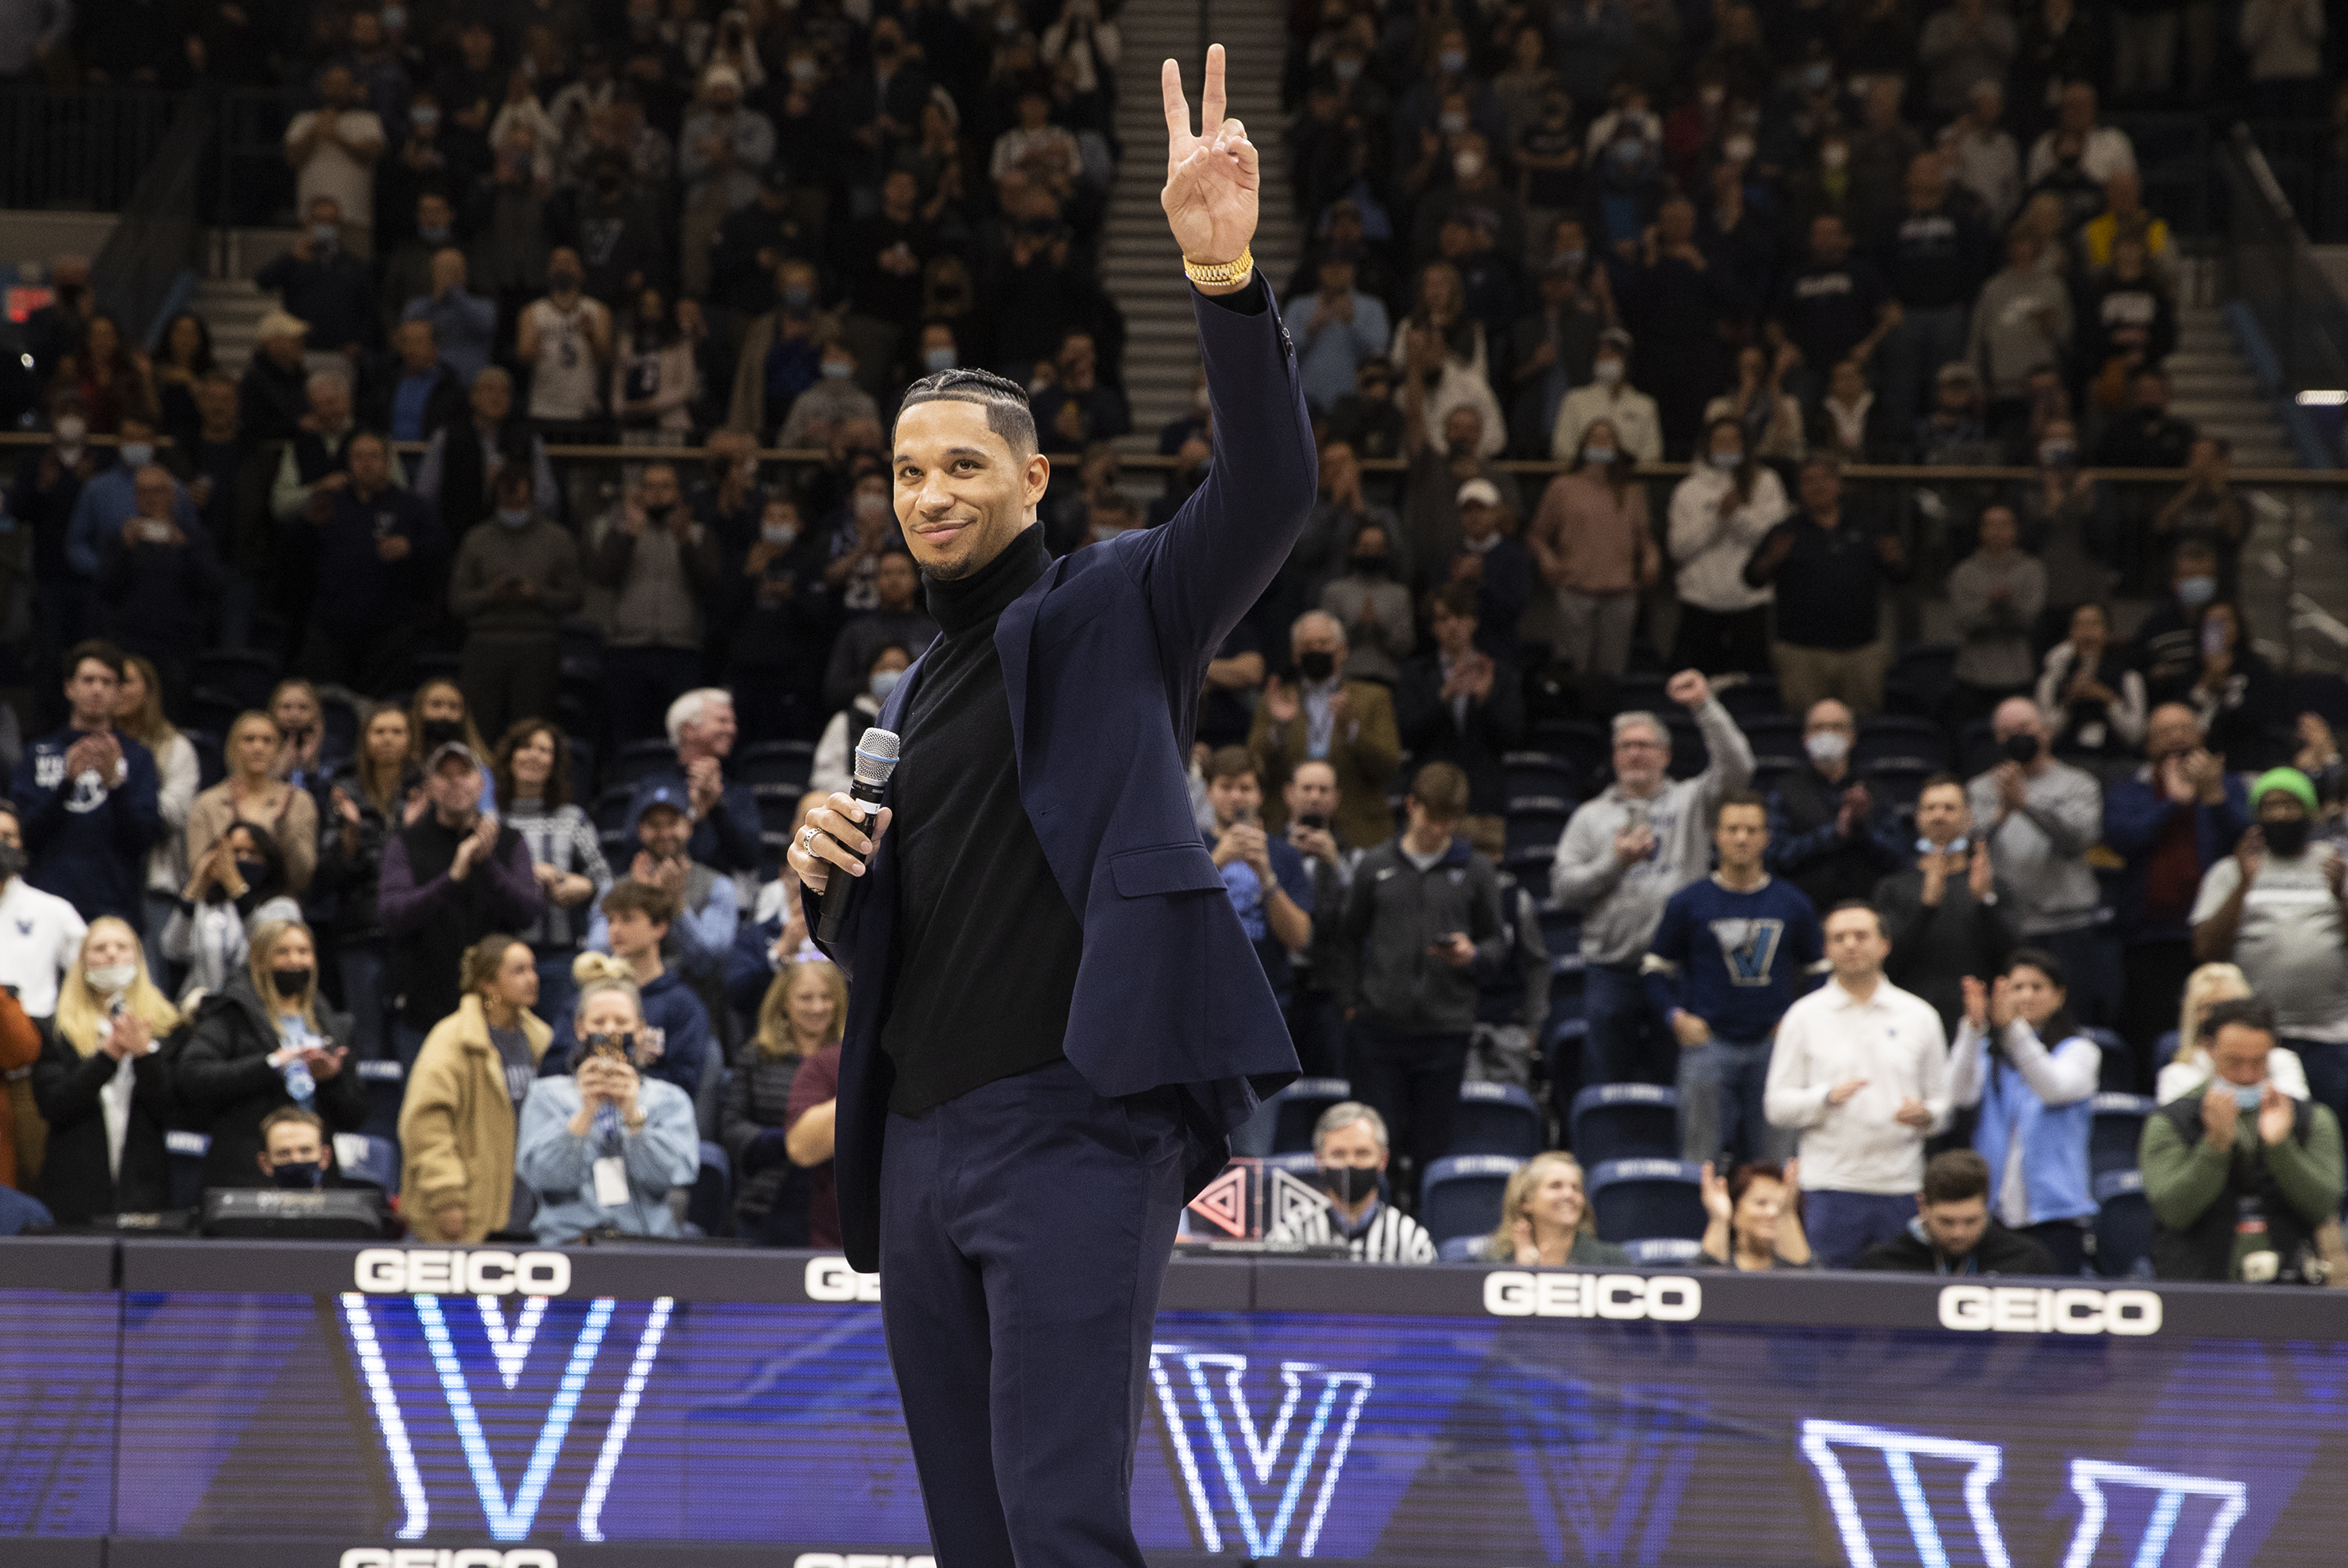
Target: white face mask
[
  {"x": 70, "y": 432},
  {"x": 1468, "y": 165},
  {"x": 110, "y": 979},
  {"x": 780, "y": 533},
  {"x": 1607, "y": 373},
  {"x": 1827, "y": 746}
]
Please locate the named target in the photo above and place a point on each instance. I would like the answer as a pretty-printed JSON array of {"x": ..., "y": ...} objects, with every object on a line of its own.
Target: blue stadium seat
[
  {"x": 386, "y": 1083},
  {"x": 1564, "y": 1038},
  {"x": 1560, "y": 929},
  {"x": 2124, "y": 1226},
  {"x": 1537, "y": 776},
  {"x": 1901, "y": 781},
  {"x": 1461, "y": 1196},
  {"x": 1301, "y": 1162},
  {"x": 1300, "y": 1105},
  {"x": 1661, "y": 1251},
  {"x": 1496, "y": 1118},
  {"x": 338, "y": 717},
  {"x": 2118, "y": 1064},
  {"x": 775, "y": 762},
  {"x": 373, "y": 1161},
  {"x": 1916, "y": 745},
  {"x": 186, "y": 1152},
  {"x": 1690, "y": 756},
  {"x": 213, "y": 710},
  {"x": 2116, "y": 1130},
  {"x": 212, "y": 763},
  {"x": 711, "y": 1207},
  {"x": 1625, "y": 1121},
  {"x": 248, "y": 675},
  {"x": 2164, "y": 1049},
  {"x": 1639, "y": 1200},
  {"x": 641, "y": 759},
  {"x": 1462, "y": 1249},
  {"x": 610, "y": 808},
  {"x": 1775, "y": 739},
  {"x": 1584, "y": 745},
  {"x": 1977, "y": 750},
  {"x": 582, "y": 765},
  {"x": 1918, "y": 681},
  {"x": 778, "y": 804},
  {"x": 1532, "y": 836},
  {"x": 1754, "y": 698}
]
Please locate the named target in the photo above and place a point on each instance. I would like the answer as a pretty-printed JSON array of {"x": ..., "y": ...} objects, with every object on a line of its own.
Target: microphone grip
[{"x": 837, "y": 893}]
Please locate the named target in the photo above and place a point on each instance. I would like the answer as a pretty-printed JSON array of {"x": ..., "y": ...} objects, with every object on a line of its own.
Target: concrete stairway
[
  {"x": 2211, "y": 384},
  {"x": 1143, "y": 269}
]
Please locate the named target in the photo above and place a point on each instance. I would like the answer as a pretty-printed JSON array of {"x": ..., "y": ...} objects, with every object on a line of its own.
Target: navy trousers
[{"x": 1024, "y": 1231}]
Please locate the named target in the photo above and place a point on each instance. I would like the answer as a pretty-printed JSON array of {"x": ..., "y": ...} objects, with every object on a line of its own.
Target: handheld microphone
[{"x": 876, "y": 758}]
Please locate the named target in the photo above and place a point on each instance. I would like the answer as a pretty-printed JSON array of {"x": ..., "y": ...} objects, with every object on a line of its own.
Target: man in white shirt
[
  {"x": 333, "y": 150},
  {"x": 1349, "y": 1145},
  {"x": 1608, "y": 396},
  {"x": 1860, "y": 1068},
  {"x": 40, "y": 934},
  {"x": 2105, "y": 150},
  {"x": 566, "y": 338}
]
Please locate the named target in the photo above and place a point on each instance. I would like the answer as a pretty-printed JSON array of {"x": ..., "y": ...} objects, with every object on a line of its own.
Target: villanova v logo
[
  {"x": 1609, "y": 1467},
  {"x": 1213, "y": 1388},
  {"x": 385, "y": 1366},
  {"x": 1750, "y": 947}
]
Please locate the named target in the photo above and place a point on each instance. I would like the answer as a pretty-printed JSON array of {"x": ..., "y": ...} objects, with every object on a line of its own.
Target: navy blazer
[{"x": 1103, "y": 658}]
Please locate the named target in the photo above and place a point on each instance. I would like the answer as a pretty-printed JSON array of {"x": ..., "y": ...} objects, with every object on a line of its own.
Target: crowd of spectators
[{"x": 498, "y": 825}]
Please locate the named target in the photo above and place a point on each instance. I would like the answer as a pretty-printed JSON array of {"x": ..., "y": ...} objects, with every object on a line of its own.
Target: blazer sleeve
[{"x": 1204, "y": 569}]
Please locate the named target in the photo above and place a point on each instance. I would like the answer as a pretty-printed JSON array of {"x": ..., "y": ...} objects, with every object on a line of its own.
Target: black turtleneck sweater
[{"x": 987, "y": 944}]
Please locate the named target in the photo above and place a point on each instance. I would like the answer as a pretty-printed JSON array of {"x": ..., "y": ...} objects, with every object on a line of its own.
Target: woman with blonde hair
[
  {"x": 1545, "y": 1217},
  {"x": 138, "y": 714},
  {"x": 805, "y": 1010},
  {"x": 104, "y": 1082},
  {"x": 459, "y": 1123},
  {"x": 1439, "y": 353},
  {"x": 262, "y": 1041},
  {"x": 253, "y": 793},
  {"x": 607, "y": 1109},
  {"x": 301, "y": 718},
  {"x": 2189, "y": 1070}
]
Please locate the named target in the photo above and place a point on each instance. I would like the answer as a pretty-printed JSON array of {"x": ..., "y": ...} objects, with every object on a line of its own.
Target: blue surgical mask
[
  {"x": 394, "y": 18},
  {"x": 1956, "y": 846},
  {"x": 937, "y": 359},
  {"x": 137, "y": 454},
  {"x": 1453, "y": 60},
  {"x": 433, "y": 234},
  {"x": 2057, "y": 454},
  {"x": 1728, "y": 462},
  {"x": 2196, "y": 590},
  {"x": 326, "y": 233},
  {"x": 799, "y": 296},
  {"x": 779, "y": 533},
  {"x": 1602, "y": 455},
  {"x": 883, "y": 682},
  {"x": 834, "y": 370},
  {"x": 1451, "y": 123},
  {"x": 1347, "y": 71},
  {"x": 424, "y": 117},
  {"x": 515, "y": 517},
  {"x": 2248, "y": 1094}
]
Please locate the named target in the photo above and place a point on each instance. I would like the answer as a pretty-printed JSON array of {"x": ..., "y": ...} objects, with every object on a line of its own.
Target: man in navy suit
[{"x": 1056, "y": 1016}]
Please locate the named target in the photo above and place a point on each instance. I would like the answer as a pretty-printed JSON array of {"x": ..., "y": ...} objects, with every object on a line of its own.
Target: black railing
[
  {"x": 2306, "y": 159},
  {"x": 156, "y": 248},
  {"x": 79, "y": 150},
  {"x": 2274, "y": 272}
]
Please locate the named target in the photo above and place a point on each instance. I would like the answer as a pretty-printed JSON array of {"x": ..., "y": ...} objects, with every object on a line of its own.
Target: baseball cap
[
  {"x": 1474, "y": 491},
  {"x": 447, "y": 748},
  {"x": 654, "y": 795}
]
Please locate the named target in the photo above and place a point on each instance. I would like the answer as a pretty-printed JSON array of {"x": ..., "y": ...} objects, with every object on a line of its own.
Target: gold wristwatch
[{"x": 1219, "y": 274}]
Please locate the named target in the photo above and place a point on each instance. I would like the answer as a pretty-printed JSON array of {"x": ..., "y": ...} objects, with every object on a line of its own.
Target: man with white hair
[
  {"x": 1350, "y": 1152},
  {"x": 317, "y": 461},
  {"x": 2038, "y": 817},
  {"x": 1321, "y": 717},
  {"x": 701, "y": 726},
  {"x": 1623, "y": 854}
]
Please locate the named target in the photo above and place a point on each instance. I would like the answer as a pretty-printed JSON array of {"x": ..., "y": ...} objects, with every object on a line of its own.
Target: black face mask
[
  {"x": 301, "y": 1175},
  {"x": 290, "y": 982},
  {"x": 1348, "y": 1184},
  {"x": 440, "y": 731},
  {"x": 252, "y": 872},
  {"x": 1369, "y": 565},
  {"x": 1316, "y": 665},
  {"x": 2286, "y": 839},
  {"x": 2022, "y": 748}
]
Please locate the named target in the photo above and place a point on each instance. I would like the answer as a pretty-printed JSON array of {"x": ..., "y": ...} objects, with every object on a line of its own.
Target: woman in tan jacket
[
  {"x": 254, "y": 793},
  {"x": 457, "y": 1125}
]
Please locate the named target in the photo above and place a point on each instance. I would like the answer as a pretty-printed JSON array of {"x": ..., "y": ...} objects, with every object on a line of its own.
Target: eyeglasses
[{"x": 1640, "y": 746}]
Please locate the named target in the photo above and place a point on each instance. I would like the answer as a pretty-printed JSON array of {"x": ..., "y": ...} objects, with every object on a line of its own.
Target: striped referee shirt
[{"x": 1387, "y": 1235}]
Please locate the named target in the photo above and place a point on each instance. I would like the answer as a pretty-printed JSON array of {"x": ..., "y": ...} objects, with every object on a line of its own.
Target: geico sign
[
  {"x": 444, "y": 1557},
  {"x": 1660, "y": 1299},
  {"x": 2031, "y": 1309},
  {"x": 859, "y": 1560},
  {"x": 421, "y": 1271},
  {"x": 831, "y": 1279}
]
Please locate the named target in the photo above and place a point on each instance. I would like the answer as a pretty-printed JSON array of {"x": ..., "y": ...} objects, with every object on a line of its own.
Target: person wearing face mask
[
  {"x": 1324, "y": 715},
  {"x": 782, "y": 352},
  {"x": 616, "y": 227},
  {"x": 2241, "y": 1177},
  {"x": 297, "y": 1155},
  {"x": 2019, "y": 1057},
  {"x": 328, "y": 285},
  {"x": 263, "y": 1041},
  {"x": 897, "y": 618},
  {"x": 334, "y": 149},
  {"x": 1724, "y": 507},
  {"x": 662, "y": 567},
  {"x": 108, "y": 500},
  {"x": 1550, "y": 349},
  {"x": 2039, "y": 817},
  {"x": 1986, "y": 159},
  {"x": 834, "y": 401},
  {"x": 517, "y": 577},
  {"x": 1595, "y": 550},
  {"x": 236, "y": 885},
  {"x": 1350, "y": 1154},
  {"x": 103, "y": 1084},
  {"x": 835, "y": 753},
  {"x": 1611, "y": 397},
  {"x": 782, "y": 626},
  {"x": 2275, "y": 907},
  {"x": 1831, "y": 834},
  {"x": 2167, "y": 646},
  {"x": 1373, "y": 606},
  {"x": 2088, "y": 682},
  {"x": 565, "y": 339},
  {"x": 2068, "y": 518}
]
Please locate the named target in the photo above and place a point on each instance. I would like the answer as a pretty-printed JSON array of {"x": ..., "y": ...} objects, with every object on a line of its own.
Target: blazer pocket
[{"x": 1165, "y": 868}]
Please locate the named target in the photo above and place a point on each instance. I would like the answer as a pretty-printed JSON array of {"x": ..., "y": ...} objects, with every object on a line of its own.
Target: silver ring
[{"x": 806, "y": 839}]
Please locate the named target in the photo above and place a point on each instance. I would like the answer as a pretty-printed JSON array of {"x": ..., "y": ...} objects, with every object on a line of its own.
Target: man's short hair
[
  {"x": 1638, "y": 715},
  {"x": 1311, "y": 616},
  {"x": 1741, "y": 798},
  {"x": 328, "y": 376},
  {"x": 98, "y": 648},
  {"x": 293, "y": 1113},
  {"x": 1459, "y": 600},
  {"x": 1344, "y": 1114},
  {"x": 656, "y": 904},
  {"x": 1955, "y": 1176},
  {"x": 1441, "y": 791},
  {"x": 1233, "y": 762},
  {"x": 1008, "y": 414},
  {"x": 1943, "y": 781},
  {"x": 2242, "y": 1012},
  {"x": 688, "y": 709},
  {"x": 1849, "y": 903}
]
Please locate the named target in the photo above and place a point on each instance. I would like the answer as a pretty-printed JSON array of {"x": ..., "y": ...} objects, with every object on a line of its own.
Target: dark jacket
[
  {"x": 1396, "y": 912},
  {"x": 2204, "y": 1248},
  {"x": 444, "y": 404},
  {"x": 1805, "y": 849},
  {"x": 75, "y": 1181},
  {"x": 1104, "y": 657},
  {"x": 157, "y": 598},
  {"x": 1434, "y": 733},
  {"x": 352, "y": 876},
  {"x": 770, "y": 1205},
  {"x": 671, "y": 1006},
  {"x": 226, "y": 1083},
  {"x": 431, "y": 918},
  {"x": 87, "y": 840},
  {"x": 359, "y": 593},
  {"x": 2142, "y": 823},
  {"x": 2000, "y": 1252},
  {"x": 1933, "y": 949}
]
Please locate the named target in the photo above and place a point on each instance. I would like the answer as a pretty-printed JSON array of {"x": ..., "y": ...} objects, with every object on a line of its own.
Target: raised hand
[
  {"x": 1212, "y": 178},
  {"x": 1716, "y": 1194}
]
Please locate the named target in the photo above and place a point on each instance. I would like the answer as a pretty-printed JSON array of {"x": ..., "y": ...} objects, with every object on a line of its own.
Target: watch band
[{"x": 1218, "y": 274}]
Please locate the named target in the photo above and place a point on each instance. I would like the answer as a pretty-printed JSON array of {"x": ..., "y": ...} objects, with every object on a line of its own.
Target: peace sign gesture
[{"x": 1212, "y": 179}]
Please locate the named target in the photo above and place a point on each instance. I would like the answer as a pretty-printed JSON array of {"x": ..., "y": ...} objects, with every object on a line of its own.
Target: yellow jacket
[{"x": 457, "y": 1124}]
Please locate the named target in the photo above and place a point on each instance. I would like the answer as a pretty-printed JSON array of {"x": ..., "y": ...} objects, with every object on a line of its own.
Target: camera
[{"x": 1315, "y": 820}]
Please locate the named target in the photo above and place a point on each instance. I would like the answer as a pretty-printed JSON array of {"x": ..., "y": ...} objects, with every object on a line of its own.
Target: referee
[{"x": 1349, "y": 1144}]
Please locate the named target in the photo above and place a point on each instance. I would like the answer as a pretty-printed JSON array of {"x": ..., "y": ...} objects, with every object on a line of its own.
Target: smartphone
[
  {"x": 1315, "y": 820},
  {"x": 154, "y": 533},
  {"x": 2213, "y": 639},
  {"x": 1637, "y": 811},
  {"x": 1248, "y": 817}
]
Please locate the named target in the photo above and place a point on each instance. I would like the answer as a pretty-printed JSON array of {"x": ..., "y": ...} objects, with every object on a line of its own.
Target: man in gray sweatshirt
[
  {"x": 2021, "y": 321},
  {"x": 1623, "y": 856},
  {"x": 2038, "y": 819}
]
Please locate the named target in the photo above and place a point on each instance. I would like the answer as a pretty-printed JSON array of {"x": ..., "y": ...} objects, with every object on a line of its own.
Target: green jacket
[{"x": 2192, "y": 1186}]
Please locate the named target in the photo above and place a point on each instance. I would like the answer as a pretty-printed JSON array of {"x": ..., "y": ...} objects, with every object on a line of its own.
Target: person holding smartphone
[
  {"x": 602, "y": 1146},
  {"x": 1265, "y": 876}
]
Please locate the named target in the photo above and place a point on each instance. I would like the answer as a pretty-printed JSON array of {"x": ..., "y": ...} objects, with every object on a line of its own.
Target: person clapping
[
  {"x": 103, "y": 1082},
  {"x": 1754, "y": 1217}
]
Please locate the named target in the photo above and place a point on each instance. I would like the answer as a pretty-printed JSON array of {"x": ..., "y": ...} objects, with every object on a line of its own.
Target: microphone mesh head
[{"x": 876, "y": 756}]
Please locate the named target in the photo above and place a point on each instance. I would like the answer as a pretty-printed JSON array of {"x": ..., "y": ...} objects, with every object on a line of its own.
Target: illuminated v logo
[
  {"x": 1213, "y": 1389},
  {"x": 509, "y": 1519},
  {"x": 1612, "y": 1475}
]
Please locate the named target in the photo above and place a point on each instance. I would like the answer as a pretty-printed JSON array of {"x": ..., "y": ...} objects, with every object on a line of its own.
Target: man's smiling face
[{"x": 962, "y": 493}]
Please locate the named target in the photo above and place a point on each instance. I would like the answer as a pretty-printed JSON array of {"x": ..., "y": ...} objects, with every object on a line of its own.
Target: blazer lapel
[{"x": 1015, "y": 638}]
